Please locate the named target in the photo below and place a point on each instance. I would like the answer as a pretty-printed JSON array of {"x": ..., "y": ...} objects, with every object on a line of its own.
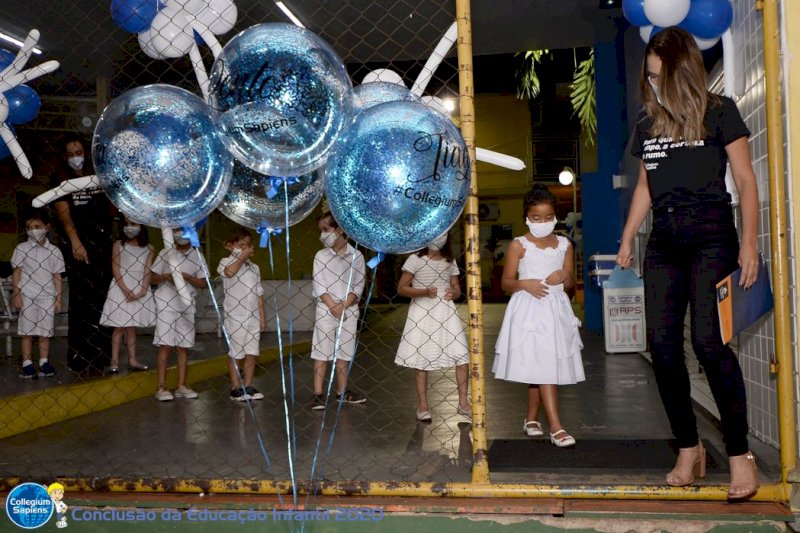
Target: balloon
[
  {"x": 219, "y": 16},
  {"x": 634, "y": 12},
  {"x": 169, "y": 35},
  {"x": 6, "y": 58},
  {"x": 247, "y": 202},
  {"x": 4, "y": 150},
  {"x": 645, "y": 32},
  {"x": 282, "y": 97},
  {"x": 705, "y": 44},
  {"x": 384, "y": 75},
  {"x": 134, "y": 15},
  {"x": 158, "y": 155},
  {"x": 399, "y": 177},
  {"x": 666, "y": 13},
  {"x": 23, "y": 104},
  {"x": 378, "y": 92},
  {"x": 708, "y": 18}
]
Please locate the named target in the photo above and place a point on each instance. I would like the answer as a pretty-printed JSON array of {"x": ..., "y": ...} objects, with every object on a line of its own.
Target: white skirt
[
  {"x": 118, "y": 312},
  {"x": 433, "y": 337}
]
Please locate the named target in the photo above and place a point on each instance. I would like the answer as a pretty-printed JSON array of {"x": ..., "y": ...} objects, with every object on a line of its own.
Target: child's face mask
[
  {"x": 541, "y": 229},
  {"x": 437, "y": 243},
  {"x": 328, "y": 238},
  {"x": 37, "y": 234},
  {"x": 131, "y": 231}
]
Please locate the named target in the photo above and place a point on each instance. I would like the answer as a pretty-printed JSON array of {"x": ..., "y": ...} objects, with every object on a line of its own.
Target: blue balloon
[
  {"x": 373, "y": 93},
  {"x": 708, "y": 18},
  {"x": 23, "y": 104},
  {"x": 6, "y": 58},
  {"x": 159, "y": 156},
  {"x": 248, "y": 201},
  {"x": 4, "y": 151},
  {"x": 135, "y": 16},
  {"x": 634, "y": 12},
  {"x": 282, "y": 97},
  {"x": 399, "y": 178}
]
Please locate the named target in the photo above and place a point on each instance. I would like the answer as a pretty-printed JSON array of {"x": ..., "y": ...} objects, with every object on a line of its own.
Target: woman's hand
[
  {"x": 748, "y": 260},
  {"x": 79, "y": 252},
  {"x": 625, "y": 255},
  {"x": 534, "y": 287}
]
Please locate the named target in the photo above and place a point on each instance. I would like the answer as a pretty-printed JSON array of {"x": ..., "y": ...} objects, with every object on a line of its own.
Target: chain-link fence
[{"x": 131, "y": 377}]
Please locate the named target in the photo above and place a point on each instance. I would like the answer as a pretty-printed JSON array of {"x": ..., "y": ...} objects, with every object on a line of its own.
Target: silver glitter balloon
[
  {"x": 373, "y": 93},
  {"x": 282, "y": 97},
  {"x": 399, "y": 177},
  {"x": 248, "y": 200},
  {"x": 159, "y": 156}
]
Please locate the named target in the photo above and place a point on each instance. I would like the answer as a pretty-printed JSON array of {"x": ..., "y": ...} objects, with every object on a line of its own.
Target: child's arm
[
  {"x": 116, "y": 252},
  {"x": 262, "y": 315},
  {"x": 198, "y": 278},
  {"x": 16, "y": 294},
  {"x": 233, "y": 268},
  {"x": 57, "y": 285},
  {"x": 454, "y": 292},
  {"x": 567, "y": 274},
  {"x": 148, "y": 273},
  {"x": 158, "y": 270},
  {"x": 510, "y": 283},
  {"x": 404, "y": 288}
]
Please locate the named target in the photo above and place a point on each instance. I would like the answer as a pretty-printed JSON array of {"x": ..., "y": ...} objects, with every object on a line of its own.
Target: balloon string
[{"x": 291, "y": 320}]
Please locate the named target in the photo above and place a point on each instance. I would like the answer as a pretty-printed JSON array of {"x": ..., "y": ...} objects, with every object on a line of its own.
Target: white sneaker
[
  {"x": 424, "y": 416},
  {"x": 163, "y": 395},
  {"x": 185, "y": 392}
]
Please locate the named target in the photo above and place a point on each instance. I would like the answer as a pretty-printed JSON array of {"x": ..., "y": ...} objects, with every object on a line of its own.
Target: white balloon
[
  {"x": 666, "y": 13},
  {"x": 219, "y": 16},
  {"x": 170, "y": 33},
  {"x": 384, "y": 74},
  {"x": 705, "y": 44},
  {"x": 145, "y": 40},
  {"x": 192, "y": 6},
  {"x": 645, "y": 32}
]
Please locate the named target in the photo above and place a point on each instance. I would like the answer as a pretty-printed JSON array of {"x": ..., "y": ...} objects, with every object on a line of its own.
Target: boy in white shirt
[
  {"x": 332, "y": 275},
  {"x": 37, "y": 292},
  {"x": 244, "y": 312},
  {"x": 174, "y": 317}
]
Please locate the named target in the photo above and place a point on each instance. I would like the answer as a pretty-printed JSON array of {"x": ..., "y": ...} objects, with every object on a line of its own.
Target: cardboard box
[{"x": 624, "y": 325}]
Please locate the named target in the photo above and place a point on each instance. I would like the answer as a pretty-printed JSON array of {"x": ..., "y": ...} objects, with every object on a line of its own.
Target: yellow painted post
[
  {"x": 480, "y": 465},
  {"x": 779, "y": 238}
]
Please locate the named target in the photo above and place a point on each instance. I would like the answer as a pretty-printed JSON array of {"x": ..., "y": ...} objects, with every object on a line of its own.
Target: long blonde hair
[{"x": 682, "y": 86}]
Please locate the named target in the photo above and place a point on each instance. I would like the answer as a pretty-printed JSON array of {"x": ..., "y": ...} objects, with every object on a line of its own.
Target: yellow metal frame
[{"x": 481, "y": 487}]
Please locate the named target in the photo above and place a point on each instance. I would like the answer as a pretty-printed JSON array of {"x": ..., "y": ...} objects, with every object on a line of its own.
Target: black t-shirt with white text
[{"x": 682, "y": 174}]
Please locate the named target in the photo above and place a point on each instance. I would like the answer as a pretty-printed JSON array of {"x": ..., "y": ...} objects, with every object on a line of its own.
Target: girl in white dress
[
  {"x": 129, "y": 303},
  {"x": 539, "y": 343},
  {"x": 433, "y": 337}
]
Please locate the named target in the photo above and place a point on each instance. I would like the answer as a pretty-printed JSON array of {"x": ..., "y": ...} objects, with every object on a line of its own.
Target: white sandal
[
  {"x": 562, "y": 442},
  {"x": 424, "y": 416},
  {"x": 532, "y": 428}
]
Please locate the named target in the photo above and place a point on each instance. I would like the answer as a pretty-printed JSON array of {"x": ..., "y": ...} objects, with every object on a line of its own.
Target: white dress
[
  {"x": 119, "y": 312},
  {"x": 433, "y": 337},
  {"x": 539, "y": 341}
]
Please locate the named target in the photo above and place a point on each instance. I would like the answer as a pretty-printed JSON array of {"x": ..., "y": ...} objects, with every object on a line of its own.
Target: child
[
  {"x": 37, "y": 292},
  {"x": 433, "y": 337},
  {"x": 244, "y": 312},
  {"x": 174, "y": 318},
  {"x": 129, "y": 303},
  {"x": 539, "y": 341},
  {"x": 332, "y": 272}
]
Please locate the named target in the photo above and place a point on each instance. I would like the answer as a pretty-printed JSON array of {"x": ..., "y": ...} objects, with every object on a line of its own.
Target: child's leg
[
  {"x": 421, "y": 380},
  {"x": 462, "y": 380},
  {"x": 249, "y": 369},
  {"x": 320, "y": 370},
  {"x": 342, "y": 368},
  {"x": 27, "y": 347},
  {"x": 233, "y": 372},
  {"x": 130, "y": 341},
  {"x": 534, "y": 401},
  {"x": 183, "y": 365},
  {"x": 549, "y": 394},
  {"x": 163, "y": 354},
  {"x": 116, "y": 341},
  {"x": 44, "y": 349}
]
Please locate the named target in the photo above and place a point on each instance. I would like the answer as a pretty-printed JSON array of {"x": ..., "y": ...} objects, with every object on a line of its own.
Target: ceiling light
[
  {"x": 566, "y": 176},
  {"x": 16, "y": 42},
  {"x": 610, "y": 4},
  {"x": 288, "y": 13}
]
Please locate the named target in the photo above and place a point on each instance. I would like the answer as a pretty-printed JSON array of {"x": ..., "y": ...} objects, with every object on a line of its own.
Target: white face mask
[
  {"x": 37, "y": 234},
  {"x": 179, "y": 240},
  {"x": 655, "y": 90},
  {"x": 75, "y": 163},
  {"x": 328, "y": 238},
  {"x": 541, "y": 229},
  {"x": 437, "y": 243},
  {"x": 131, "y": 231},
  {"x": 236, "y": 252}
]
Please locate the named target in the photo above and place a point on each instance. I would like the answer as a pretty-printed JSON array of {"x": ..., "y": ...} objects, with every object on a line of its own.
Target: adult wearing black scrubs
[
  {"x": 684, "y": 137},
  {"x": 87, "y": 220}
]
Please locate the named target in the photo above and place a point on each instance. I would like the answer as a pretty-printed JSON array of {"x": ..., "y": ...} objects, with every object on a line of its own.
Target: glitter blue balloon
[
  {"x": 399, "y": 177},
  {"x": 248, "y": 200},
  {"x": 159, "y": 156},
  {"x": 281, "y": 98},
  {"x": 373, "y": 93}
]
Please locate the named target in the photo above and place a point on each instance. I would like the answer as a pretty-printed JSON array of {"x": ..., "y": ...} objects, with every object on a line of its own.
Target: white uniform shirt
[
  {"x": 332, "y": 273},
  {"x": 190, "y": 263},
  {"x": 38, "y": 263},
  {"x": 243, "y": 289}
]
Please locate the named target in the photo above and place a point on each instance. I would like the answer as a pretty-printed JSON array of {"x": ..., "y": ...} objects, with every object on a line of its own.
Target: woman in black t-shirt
[
  {"x": 684, "y": 138},
  {"x": 87, "y": 220}
]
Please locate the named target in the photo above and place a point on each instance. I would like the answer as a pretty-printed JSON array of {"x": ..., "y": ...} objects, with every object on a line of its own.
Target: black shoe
[
  {"x": 46, "y": 370},
  {"x": 351, "y": 397},
  {"x": 239, "y": 395},
  {"x": 317, "y": 402},
  {"x": 28, "y": 372},
  {"x": 253, "y": 393}
]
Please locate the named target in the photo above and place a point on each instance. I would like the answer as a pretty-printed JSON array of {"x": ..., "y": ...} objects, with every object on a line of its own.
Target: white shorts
[
  {"x": 244, "y": 333},
  {"x": 323, "y": 343},
  {"x": 174, "y": 328},
  {"x": 37, "y": 317}
]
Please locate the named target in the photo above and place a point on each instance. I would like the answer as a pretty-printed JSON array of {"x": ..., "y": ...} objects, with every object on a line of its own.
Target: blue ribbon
[
  {"x": 265, "y": 232},
  {"x": 189, "y": 232},
  {"x": 375, "y": 261},
  {"x": 276, "y": 182}
]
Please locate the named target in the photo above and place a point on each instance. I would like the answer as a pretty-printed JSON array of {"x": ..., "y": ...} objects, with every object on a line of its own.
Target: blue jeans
[{"x": 690, "y": 250}]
